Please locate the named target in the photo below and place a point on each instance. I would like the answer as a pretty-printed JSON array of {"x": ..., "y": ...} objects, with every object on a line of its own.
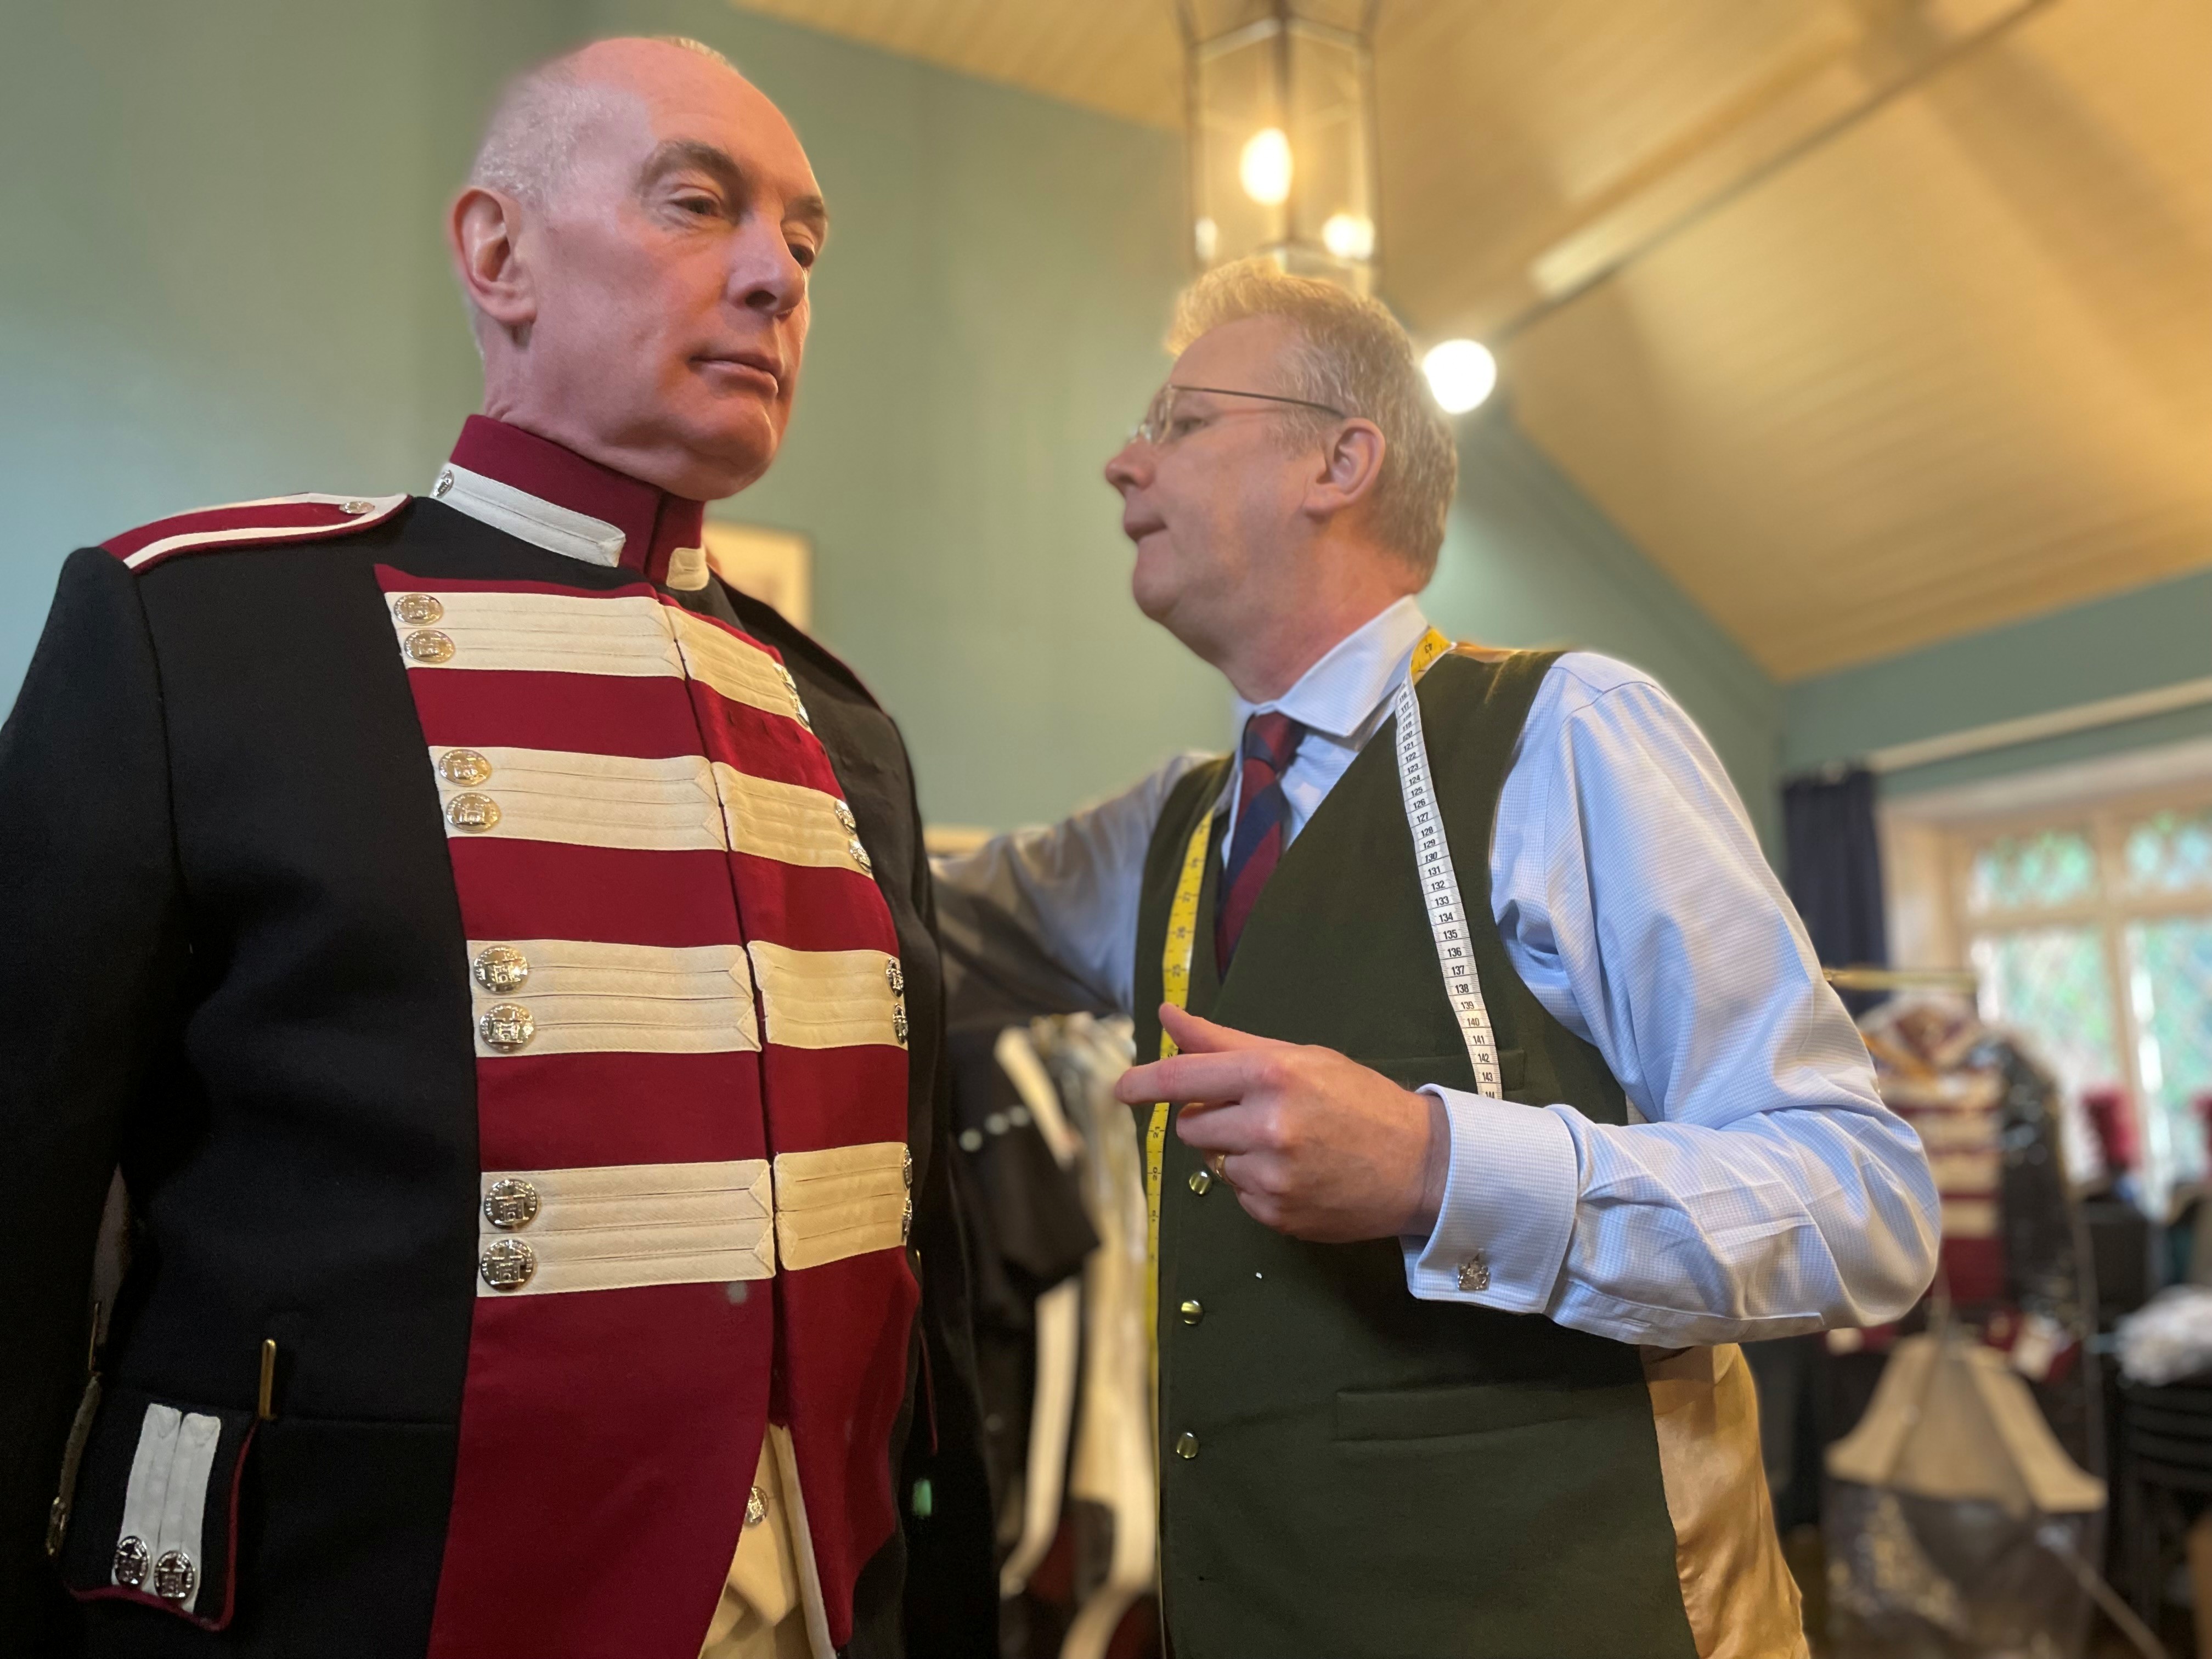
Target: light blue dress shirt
[{"x": 1766, "y": 1192}]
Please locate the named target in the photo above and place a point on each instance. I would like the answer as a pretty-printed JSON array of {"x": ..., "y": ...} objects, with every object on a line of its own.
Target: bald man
[{"x": 497, "y": 956}]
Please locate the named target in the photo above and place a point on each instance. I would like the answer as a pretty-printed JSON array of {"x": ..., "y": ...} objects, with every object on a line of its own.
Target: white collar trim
[{"x": 531, "y": 518}]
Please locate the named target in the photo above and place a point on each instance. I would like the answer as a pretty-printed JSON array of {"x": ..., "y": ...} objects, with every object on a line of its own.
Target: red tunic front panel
[{"x": 691, "y": 1101}]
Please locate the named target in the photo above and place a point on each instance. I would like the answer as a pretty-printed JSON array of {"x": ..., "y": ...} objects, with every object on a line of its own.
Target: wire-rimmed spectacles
[{"x": 1158, "y": 428}]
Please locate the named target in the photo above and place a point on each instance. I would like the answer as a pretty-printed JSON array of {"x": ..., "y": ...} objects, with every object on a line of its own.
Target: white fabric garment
[{"x": 1768, "y": 1192}]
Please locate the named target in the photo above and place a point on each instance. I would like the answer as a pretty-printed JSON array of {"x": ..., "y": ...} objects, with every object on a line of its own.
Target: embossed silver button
[
  {"x": 898, "y": 1025},
  {"x": 506, "y": 1026},
  {"x": 174, "y": 1576},
  {"x": 906, "y": 1166},
  {"x": 1186, "y": 1445},
  {"x": 1200, "y": 1180},
  {"x": 473, "y": 814},
  {"x": 445, "y": 482},
  {"x": 509, "y": 1203},
  {"x": 416, "y": 609},
  {"x": 356, "y": 507},
  {"x": 427, "y": 644},
  {"x": 906, "y": 1222},
  {"x": 845, "y": 816},
  {"x": 1474, "y": 1273},
  {"x": 501, "y": 968},
  {"x": 508, "y": 1264},
  {"x": 755, "y": 1507},
  {"x": 132, "y": 1557},
  {"x": 859, "y": 854},
  {"x": 895, "y": 975},
  {"x": 464, "y": 767}
]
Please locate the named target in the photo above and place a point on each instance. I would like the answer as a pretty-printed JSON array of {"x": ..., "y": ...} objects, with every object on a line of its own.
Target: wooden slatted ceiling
[{"x": 1953, "y": 368}]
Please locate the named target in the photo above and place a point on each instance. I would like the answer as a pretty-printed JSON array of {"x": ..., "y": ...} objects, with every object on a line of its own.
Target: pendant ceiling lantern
[{"x": 1282, "y": 134}]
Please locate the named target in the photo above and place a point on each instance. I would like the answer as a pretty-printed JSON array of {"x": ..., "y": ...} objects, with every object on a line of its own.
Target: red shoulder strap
[{"x": 253, "y": 524}]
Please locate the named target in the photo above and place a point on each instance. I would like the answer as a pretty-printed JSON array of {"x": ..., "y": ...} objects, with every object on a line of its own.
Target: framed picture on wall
[{"x": 774, "y": 566}]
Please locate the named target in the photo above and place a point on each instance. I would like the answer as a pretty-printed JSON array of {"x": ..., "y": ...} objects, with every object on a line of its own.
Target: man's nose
[
  {"x": 1130, "y": 467},
  {"x": 765, "y": 277}
]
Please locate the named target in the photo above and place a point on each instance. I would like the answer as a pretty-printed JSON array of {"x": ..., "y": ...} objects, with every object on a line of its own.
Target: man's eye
[
  {"x": 1183, "y": 425},
  {"x": 805, "y": 255},
  {"x": 703, "y": 207}
]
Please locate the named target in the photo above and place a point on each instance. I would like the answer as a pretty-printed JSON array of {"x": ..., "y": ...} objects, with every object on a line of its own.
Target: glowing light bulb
[
  {"x": 1264, "y": 168},
  {"x": 1461, "y": 373},
  {"x": 1348, "y": 235}
]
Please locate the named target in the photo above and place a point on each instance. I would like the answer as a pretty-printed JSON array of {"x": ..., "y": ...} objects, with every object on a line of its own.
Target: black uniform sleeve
[{"x": 90, "y": 947}]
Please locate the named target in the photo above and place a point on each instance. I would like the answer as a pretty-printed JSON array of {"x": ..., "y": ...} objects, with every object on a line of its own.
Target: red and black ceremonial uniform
[{"x": 498, "y": 958}]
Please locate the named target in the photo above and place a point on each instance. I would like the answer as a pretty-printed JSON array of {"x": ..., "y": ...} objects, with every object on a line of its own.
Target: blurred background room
[{"x": 1847, "y": 364}]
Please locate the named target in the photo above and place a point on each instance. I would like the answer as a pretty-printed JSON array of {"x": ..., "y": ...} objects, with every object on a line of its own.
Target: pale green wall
[
  {"x": 2134, "y": 642},
  {"x": 220, "y": 277}
]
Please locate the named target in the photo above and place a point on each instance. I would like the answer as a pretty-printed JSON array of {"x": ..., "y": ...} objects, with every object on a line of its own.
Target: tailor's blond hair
[{"x": 1352, "y": 355}]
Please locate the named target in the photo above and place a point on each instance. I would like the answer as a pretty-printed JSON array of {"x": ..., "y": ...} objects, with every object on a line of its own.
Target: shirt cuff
[{"x": 1508, "y": 1208}]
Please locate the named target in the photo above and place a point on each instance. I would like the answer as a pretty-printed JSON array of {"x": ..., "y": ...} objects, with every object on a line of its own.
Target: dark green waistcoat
[{"x": 1372, "y": 1474}]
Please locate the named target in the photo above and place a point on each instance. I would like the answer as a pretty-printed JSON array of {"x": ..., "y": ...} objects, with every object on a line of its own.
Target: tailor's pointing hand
[{"x": 1317, "y": 1145}]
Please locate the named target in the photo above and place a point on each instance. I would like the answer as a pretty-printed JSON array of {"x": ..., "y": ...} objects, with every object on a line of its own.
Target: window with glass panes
[{"x": 2091, "y": 933}]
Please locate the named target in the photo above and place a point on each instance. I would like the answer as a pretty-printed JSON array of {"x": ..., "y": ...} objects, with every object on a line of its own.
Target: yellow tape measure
[{"x": 1174, "y": 987}]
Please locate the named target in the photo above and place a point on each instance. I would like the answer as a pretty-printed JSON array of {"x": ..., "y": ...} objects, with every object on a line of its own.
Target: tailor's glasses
[{"x": 1158, "y": 428}]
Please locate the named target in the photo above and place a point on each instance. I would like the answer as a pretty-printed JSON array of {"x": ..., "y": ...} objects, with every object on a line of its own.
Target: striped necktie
[{"x": 1271, "y": 742}]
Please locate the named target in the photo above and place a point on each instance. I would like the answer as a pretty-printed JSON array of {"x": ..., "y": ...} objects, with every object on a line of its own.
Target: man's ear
[
  {"x": 1350, "y": 466},
  {"x": 482, "y": 231}
]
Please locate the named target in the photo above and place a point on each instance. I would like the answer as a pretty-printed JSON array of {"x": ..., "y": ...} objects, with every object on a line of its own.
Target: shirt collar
[
  {"x": 1339, "y": 696},
  {"x": 552, "y": 497}
]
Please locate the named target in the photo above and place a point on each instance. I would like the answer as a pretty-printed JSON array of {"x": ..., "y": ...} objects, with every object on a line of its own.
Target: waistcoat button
[
  {"x": 1200, "y": 1180},
  {"x": 1192, "y": 1312},
  {"x": 1186, "y": 1445}
]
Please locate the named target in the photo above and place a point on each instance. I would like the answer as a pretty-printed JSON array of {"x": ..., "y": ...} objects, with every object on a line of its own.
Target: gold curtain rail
[{"x": 1902, "y": 978}]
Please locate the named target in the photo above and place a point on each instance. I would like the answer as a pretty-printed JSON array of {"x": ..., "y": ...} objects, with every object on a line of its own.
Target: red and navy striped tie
[{"x": 1270, "y": 741}]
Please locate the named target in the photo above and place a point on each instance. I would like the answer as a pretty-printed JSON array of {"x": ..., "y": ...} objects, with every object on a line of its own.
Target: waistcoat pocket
[{"x": 1433, "y": 1411}]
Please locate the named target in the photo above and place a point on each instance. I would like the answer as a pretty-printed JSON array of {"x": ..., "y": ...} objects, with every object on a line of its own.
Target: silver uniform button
[
  {"x": 473, "y": 814},
  {"x": 509, "y": 1203},
  {"x": 906, "y": 1222},
  {"x": 501, "y": 968},
  {"x": 174, "y": 1576},
  {"x": 445, "y": 482},
  {"x": 356, "y": 507},
  {"x": 416, "y": 609},
  {"x": 1474, "y": 1273},
  {"x": 895, "y": 975},
  {"x": 506, "y": 1026},
  {"x": 899, "y": 1027},
  {"x": 506, "y": 1264},
  {"x": 464, "y": 767},
  {"x": 906, "y": 1166},
  {"x": 132, "y": 1557},
  {"x": 755, "y": 1507},
  {"x": 845, "y": 816},
  {"x": 427, "y": 644},
  {"x": 859, "y": 854}
]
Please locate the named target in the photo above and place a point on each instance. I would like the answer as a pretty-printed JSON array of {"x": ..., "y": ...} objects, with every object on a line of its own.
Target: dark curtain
[{"x": 1834, "y": 869}]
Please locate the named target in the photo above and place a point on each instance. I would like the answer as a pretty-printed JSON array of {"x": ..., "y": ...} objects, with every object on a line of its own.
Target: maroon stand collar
[{"x": 653, "y": 523}]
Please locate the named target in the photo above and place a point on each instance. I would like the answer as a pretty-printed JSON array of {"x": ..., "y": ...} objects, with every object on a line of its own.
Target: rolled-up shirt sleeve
[{"x": 1768, "y": 1191}]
